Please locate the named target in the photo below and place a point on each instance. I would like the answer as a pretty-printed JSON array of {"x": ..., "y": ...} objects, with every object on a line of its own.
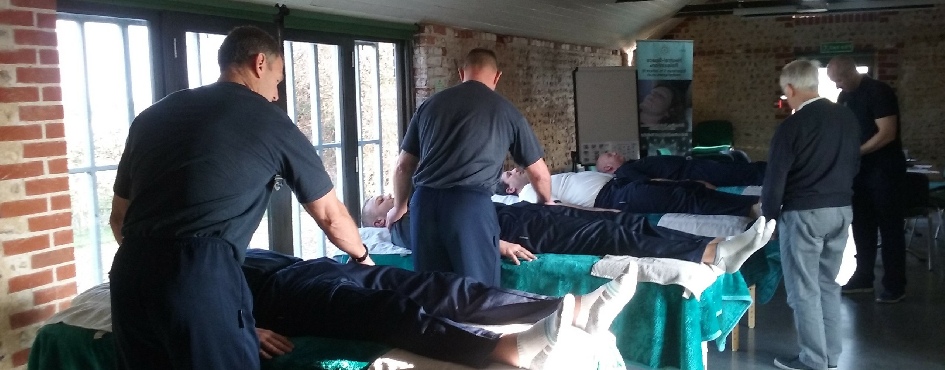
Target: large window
[
  {"x": 106, "y": 82},
  {"x": 344, "y": 93}
]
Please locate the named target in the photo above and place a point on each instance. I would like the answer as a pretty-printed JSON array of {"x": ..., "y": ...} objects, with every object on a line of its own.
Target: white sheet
[
  {"x": 92, "y": 309},
  {"x": 378, "y": 241},
  {"x": 694, "y": 277},
  {"x": 705, "y": 225}
]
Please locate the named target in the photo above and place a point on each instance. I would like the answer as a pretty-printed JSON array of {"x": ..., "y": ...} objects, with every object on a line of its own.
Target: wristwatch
[{"x": 363, "y": 257}]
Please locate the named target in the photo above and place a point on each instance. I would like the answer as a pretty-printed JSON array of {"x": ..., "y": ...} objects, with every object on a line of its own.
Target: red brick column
[{"x": 37, "y": 267}]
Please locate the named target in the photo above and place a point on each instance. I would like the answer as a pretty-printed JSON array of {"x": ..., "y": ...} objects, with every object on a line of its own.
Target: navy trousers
[
  {"x": 876, "y": 206},
  {"x": 181, "y": 304},
  {"x": 567, "y": 230},
  {"x": 671, "y": 197},
  {"x": 455, "y": 230},
  {"x": 724, "y": 173},
  {"x": 414, "y": 311}
]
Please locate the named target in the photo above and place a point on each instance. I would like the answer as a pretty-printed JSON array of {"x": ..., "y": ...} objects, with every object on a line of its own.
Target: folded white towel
[
  {"x": 705, "y": 225},
  {"x": 752, "y": 190},
  {"x": 694, "y": 277}
]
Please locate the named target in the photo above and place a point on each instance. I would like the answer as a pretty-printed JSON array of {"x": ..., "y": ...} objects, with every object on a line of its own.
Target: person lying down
[
  {"x": 595, "y": 189},
  {"x": 425, "y": 313},
  {"x": 526, "y": 229}
]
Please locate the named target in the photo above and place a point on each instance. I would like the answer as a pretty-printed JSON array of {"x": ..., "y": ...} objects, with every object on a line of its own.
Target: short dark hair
[
  {"x": 502, "y": 187},
  {"x": 481, "y": 57},
  {"x": 243, "y": 43}
]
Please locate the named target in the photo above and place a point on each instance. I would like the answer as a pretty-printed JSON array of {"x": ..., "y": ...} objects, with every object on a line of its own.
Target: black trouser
[
  {"x": 414, "y": 311},
  {"x": 671, "y": 197},
  {"x": 181, "y": 304},
  {"x": 567, "y": 230},
  {"x": 455, "y": 230},
  {"x": 724, "y": 173},
  {"x": 877, "y": 206}
]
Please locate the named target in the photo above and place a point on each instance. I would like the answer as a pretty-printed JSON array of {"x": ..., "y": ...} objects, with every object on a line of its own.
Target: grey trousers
[{"x": 812, "y": 243}]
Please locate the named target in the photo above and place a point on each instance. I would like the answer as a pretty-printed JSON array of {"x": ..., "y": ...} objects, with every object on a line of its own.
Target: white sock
[
  {"x": 600, "y": 307},
  {"x": 732, "y": 252},
  {"x": 536, "y": 342}
]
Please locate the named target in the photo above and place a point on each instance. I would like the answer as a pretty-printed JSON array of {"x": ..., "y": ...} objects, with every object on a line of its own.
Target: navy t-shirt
[
  {"x": 202, "y": 162},
  {"x": 872, "y": 100},
  {"x": 462, "y": 135}
]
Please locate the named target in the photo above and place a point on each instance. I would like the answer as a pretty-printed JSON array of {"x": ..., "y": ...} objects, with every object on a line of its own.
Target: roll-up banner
[{"x": 664, "y": 96}]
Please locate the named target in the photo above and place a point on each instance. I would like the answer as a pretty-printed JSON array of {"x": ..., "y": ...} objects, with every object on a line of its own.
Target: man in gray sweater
[{"x": 808, "y": 188}]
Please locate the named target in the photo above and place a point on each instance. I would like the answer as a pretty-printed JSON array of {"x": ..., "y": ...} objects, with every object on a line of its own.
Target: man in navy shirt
[
  {"x": 876, "y": 189},
  {"x": 192, "y": 185},
  {"x": 453, "y": 150}
]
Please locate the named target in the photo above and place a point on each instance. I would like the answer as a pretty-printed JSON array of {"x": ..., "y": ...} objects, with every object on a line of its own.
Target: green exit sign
[{"x": 836, "y": 47}]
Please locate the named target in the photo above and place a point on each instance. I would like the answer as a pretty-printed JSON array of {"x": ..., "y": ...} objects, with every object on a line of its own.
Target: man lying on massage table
[
  {"x": 420, "y": 312},
  {"x": 595, "y": 189},
  {"x": 526, "y": 228},
  {"x": 673, "y": 167}
]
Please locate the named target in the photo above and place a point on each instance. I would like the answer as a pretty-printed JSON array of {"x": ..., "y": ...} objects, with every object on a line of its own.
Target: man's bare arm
[
  {"x": 541, "y": 180},
  {"x": 403, "y": 185},
  {"x": 332, "y": 216},
  {"x": 885, "y": 135},
  {"x": 117, "y": 218}
]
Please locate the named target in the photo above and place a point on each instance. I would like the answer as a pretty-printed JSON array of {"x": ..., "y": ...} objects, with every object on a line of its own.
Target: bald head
[
  {"x": 481, "y": 65},
  {"x": 842, "y": 71}
]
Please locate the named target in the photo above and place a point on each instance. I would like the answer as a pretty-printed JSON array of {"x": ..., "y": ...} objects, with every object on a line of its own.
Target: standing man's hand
[
  {"x": 406, "y": 166},
  {"x": 514, "y": 252},
  {"x": 541, "y": 180},
  {"x": 395, "y": 214},
  {"x": 272, "y": 344}
]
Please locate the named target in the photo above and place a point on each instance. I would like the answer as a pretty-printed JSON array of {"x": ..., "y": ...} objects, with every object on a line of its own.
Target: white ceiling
[{"x": 585, "y": 22}]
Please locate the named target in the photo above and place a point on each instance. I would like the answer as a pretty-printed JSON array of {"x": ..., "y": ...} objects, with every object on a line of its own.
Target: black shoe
[
  {"x": 857, "y": 285},
  {"x": 793, "y": 363},
  {"x": 889, "y": 297}
]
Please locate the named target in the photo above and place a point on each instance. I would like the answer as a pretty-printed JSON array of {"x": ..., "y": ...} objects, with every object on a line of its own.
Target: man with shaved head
[
  {"x": 876, "y": 203},
  {"x": 451, "y": 157}
]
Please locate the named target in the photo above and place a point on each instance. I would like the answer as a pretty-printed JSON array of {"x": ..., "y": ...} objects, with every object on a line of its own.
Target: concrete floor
[{"x": 907, "y": 335}]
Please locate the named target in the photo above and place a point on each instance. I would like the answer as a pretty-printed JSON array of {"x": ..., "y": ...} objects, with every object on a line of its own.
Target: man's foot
[
  {"x": 600, "y": 307},
  {"x": 857, "y": 284},
  {"x": 792, "y": 363},
  {"x": 536, "y": 342},
  {"x": 732, "y": 252},
  {"x": 889, "y": 297}
]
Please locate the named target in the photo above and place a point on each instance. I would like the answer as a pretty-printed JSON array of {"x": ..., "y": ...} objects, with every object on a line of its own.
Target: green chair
[{"x": 711, "y": 134}]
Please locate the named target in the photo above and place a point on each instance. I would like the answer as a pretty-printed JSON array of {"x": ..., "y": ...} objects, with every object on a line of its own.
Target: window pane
[
  {"x": 108, "y": 92},
  {"x": 202, "y": 66},
  {"x": 105, "y": 182},
  {"x": 87, "y": 269},
  {"x": 329, "y": 93},
  {"x": 139, "y": 50},
  {"x": 368, "y": 90},
  {"x": 372, "y": 175},
  {"x": 74, "y": 96},
  {"x": 378, "y": 109},
  {"x": 260, "y": 238}
]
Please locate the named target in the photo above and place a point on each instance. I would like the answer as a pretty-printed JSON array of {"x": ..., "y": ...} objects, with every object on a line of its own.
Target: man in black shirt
[
  {"x": 808, "y": 187},
  {"x": 192, "y": 185},
  {"x": 452, "y": 154},
  {"x": 876, "y": 189}
]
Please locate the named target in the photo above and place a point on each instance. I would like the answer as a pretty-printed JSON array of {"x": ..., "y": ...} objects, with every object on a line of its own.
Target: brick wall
[
  {"x": 536, "y": 77},
  {"x": 737, "y": 61},
  {"x": 37, "y": 267}
]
